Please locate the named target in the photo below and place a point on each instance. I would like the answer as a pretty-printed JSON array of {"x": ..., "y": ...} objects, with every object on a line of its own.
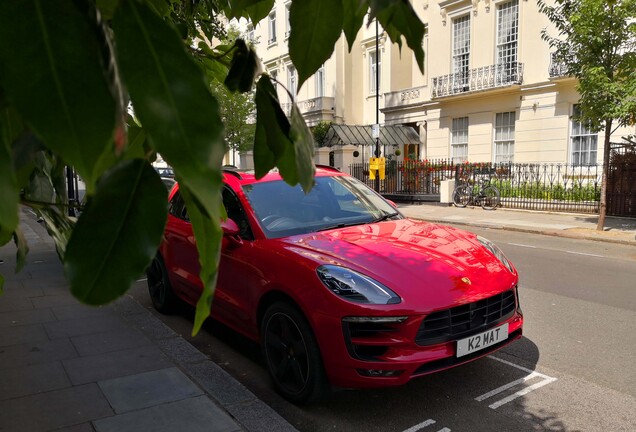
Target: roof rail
[
  {"x": 232, "y": 170},
  {"x": 327, "y": 167}
]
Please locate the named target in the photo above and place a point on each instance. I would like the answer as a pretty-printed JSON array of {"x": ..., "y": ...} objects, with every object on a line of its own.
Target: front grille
[{"x": 460, "y": 321}]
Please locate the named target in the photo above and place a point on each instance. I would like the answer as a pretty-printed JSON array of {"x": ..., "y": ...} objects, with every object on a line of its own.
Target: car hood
[{"x": 428, "y": 265}]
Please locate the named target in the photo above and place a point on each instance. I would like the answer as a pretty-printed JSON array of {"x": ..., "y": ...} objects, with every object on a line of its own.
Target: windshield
[{"x": 333, "y": 202}]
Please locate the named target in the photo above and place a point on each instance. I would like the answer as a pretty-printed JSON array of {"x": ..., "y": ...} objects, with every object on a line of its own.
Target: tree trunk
[{"x": 606, "y": 156}]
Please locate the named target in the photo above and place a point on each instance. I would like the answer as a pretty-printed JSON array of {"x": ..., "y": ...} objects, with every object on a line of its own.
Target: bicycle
[{"x": 484, "y": 194}]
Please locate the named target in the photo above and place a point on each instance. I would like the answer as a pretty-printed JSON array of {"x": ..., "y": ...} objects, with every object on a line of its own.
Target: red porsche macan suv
[{"x": 339, "y": 288}]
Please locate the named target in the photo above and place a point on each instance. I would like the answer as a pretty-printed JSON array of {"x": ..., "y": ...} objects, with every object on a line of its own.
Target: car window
[
  {"x": 334, "y": 201},
  {"x": 236, "y": 212},
  {"x": 177, "y": 207}
]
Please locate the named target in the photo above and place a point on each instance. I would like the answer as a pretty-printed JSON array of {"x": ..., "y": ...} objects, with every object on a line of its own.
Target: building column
[
  {"x": 246, "y": 160},
  {"x": 343, "y": 157},
  {"x": 321, "y": 156}
]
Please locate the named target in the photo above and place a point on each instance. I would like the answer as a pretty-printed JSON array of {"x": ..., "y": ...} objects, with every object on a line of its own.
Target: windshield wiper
[
  {"x": 386, "y": 217},
  {"x": 340, "y": 225}
]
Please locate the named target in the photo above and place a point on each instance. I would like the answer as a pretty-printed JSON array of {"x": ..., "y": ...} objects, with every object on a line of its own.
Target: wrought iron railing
[
  {"x": 541, "y": 186},
  {"x": 557, "y": 68},
  {"x": 481, "y": 78},
  {"x": 532, "y": 186},
  {"x": 408, "y": 178}
]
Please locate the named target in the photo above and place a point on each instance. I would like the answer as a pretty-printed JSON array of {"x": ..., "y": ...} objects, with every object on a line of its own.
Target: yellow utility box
[{"x": 377, "y": 166}]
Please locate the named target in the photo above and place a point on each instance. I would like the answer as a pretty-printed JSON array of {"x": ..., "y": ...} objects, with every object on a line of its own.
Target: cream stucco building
[{"x": 489, "y": 92}]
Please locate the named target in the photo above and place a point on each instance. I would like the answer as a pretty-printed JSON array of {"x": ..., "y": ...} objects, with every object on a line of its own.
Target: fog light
[{"x": 380, "y": 372}]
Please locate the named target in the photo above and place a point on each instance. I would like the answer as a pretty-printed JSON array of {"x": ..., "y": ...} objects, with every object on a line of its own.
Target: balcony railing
[
  {"x": 482, "y": 78},
  {"x": 320, "y": 105},
  {"x": 557, "y": 68}
]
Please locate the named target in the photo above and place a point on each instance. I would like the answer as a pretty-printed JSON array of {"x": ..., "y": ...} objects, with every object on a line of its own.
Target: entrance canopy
[{"x": 396, "y": 135}]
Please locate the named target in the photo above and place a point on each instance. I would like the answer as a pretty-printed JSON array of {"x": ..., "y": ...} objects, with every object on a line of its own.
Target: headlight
[
  {"x": 496, "y": 252},
  {"x": 355, "y": 287}
]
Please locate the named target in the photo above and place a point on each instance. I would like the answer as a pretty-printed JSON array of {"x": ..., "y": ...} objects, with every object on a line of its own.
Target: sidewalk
[
  {"x": 578, "y": 226},
  {"x": 74, "y": 368}
]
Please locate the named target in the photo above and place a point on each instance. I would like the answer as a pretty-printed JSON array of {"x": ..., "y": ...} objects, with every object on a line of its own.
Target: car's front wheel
[
  {"x": 159, "y": 288},
  {"x": 292, "y": 355}
]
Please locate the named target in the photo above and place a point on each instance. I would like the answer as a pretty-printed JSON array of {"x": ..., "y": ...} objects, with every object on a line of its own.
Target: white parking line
[
  {"x": 545, "y": 380},
  {"x": 420, "y": 426}
]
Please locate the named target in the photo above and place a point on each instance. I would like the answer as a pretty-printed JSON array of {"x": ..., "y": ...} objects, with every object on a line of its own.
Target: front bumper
[{"x": 390, "y": 356}]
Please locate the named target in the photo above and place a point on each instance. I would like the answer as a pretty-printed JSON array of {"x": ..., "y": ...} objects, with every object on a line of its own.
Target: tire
[
  {"x": 461, "y": 196},
  {"x": 291, "y": 354},
  {"x": 163, "y": 298},
  {"x": 490, "y": 198}
]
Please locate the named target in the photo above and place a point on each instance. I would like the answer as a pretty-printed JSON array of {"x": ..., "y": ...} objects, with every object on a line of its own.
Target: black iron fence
[
  {"x": 410, "y": 179},
  {"x": 540, "y": 186}
]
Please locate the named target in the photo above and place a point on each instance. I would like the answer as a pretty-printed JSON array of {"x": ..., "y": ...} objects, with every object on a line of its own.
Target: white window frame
[
  {"x": 271, "y": 28},
  {"x": 320, "y": 81},
  {"x": 507, "y": 41},
  {"x": 504, "y": 137},
  {"x": 288, "y": 22},
  {"x": 375, "y": 66},
  {"x": 292, "y": 82},
  {"x": 459, "y": 140},
  {"x": 460, "y": 54},
  {"x": 583, "y": 142},
  {"x": 250, "y": 33}
]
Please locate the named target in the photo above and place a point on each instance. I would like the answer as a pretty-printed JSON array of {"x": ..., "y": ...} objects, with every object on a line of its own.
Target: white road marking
[
  {"x": 142, "y": 279},
  {"x": 444, "y": 430},
  {"x": 522, "y": 245},
  {"x": 545, "y": 380},
  {"x": 420, "y": 426},
  {"x": 585, "y": 254}
]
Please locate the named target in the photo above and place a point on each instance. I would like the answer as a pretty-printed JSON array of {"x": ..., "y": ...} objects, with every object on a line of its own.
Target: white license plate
[{"x": 482, "y": 340}]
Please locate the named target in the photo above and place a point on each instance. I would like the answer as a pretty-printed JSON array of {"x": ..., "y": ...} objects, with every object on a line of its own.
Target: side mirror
[{"x": 230, "y": 228}]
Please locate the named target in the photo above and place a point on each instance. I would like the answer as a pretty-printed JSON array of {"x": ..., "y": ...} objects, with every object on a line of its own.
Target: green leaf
[
  {"x": 354, "y": 12},
  {"x": 23, "y": 249},
  {"x": 398, "y": 18},
  {"x": 272, "y": 128},
  {"x": 9, "y": 191},
  {"x": 52, "y": 72},
  {"x": 316, "y": 26},
  {"x": 118, "y": 234},
  {"x": 279, "y": 143},
  {"x": 208, "y": 228},
  {"x": 255, "y": 10},
  {"x": 58, "y": 225},
  {"x": 303, "y": 141},
  {"x": 170, "y": 98},
  {"x": 243, "y": 70},
  {"x": 179, "y": 115}
]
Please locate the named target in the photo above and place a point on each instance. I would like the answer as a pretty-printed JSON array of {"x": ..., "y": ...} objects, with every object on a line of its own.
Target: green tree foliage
[
  {"x": 71, "y": 71},
  {"x": 320, "y": 132},
  {"x": 596, "y": 41}
]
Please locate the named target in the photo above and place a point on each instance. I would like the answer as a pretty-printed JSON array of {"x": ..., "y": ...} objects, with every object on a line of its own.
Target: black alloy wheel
[
  {"x": 292, "y": 355},
  {"x": 159, "y": 288}
]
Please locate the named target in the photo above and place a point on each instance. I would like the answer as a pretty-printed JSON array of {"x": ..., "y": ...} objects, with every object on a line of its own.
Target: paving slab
[
  {"x": 148, "y": 389},
  {"x": 53, "y": 410},
  {"x": 117, "y": 340},
  {"x": 12, "y": 304},
  {"x": 33, "y": 379},
  {"x": 115, "y": 364},
  {"x": 89, "y": 325},
  {"x": 18, "y": 335},
  {"x": 192, "y": 415},
  {"x": 35, "y": 352},
  {"x": 25, "y": 317}
]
